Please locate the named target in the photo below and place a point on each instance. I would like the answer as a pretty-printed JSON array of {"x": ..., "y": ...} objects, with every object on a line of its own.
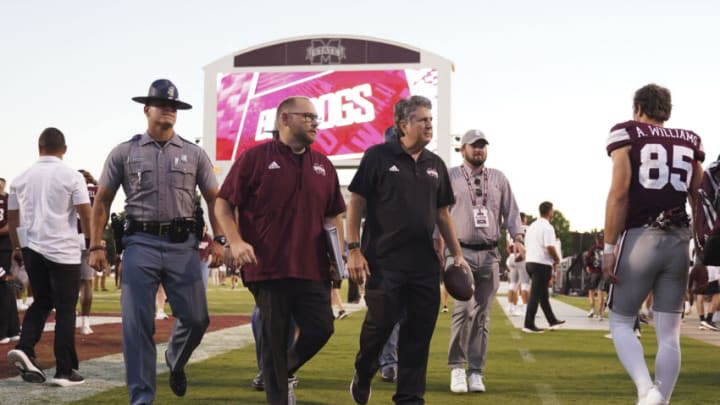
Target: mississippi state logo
[
  {"x": 325, "y": 52},
  {"x": 432, "y": 173},
  {"x": 319, "y": 169}
]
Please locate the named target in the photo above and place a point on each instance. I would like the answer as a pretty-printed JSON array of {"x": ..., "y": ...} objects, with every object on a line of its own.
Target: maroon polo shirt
[{"x": 283, "y": 200}]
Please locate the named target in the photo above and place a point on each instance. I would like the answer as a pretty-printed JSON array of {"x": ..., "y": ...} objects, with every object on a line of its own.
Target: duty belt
[
  {"x": 479, "y": 246},
  {"x": 152, "y": 227}
]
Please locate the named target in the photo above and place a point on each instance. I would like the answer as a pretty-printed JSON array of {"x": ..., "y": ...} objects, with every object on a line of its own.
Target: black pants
[
  {"x": 9, "y": 321},
  {"x": 413, "y": 299},
  {"x": 353, "y": 294},
  {"x": 56, "y": 286},
  {"x": 540, "y": 275},
  {"x": 308, "y": 303}
]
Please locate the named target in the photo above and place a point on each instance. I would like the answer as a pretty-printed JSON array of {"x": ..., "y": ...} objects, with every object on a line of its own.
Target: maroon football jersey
[
  {"x": 662, "y": 163},
  {"x": 92, "y": 190},
  {"x": 3, "y": 209}
]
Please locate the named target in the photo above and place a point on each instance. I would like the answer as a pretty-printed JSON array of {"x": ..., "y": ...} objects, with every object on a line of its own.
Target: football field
[{"x": 575, "y": 365}]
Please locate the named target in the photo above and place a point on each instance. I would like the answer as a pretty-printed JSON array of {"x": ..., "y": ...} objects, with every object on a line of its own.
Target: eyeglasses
[
  {"x": 307, "y": 117},
  {"x": 478, "y": 190}
]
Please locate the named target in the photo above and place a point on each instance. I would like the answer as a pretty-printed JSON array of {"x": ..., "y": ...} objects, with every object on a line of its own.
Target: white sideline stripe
[
  {"x": 547, "y": 395},
  {"x": 526, "y": 355},
  {"x": 104, "y": 373},
  {"x": 108, "y": 372}
]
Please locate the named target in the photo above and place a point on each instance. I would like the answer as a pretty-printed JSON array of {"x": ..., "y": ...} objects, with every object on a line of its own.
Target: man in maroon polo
[{"x": 284, "y": 193}]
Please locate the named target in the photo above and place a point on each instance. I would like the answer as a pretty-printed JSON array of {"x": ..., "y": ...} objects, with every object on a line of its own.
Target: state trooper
[{"x": 158, "y": 171}]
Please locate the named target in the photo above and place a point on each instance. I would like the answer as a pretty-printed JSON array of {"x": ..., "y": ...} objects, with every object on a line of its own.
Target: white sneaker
[
  {"x": 511, "y": 309},
  {"x": 591, "y": 313},
  {"x": 599, "y": 317},
  {"x": 86, "y": 330},
  {"x": 161, "y": 315},
  {"x": 475, "y": 383},
  {"x": 653, "y": 397},
  {"x": 458, "y": 383}
]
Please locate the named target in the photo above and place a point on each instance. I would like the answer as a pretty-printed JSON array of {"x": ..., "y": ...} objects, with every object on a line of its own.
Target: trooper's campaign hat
[{"x": 163, "y": 90}]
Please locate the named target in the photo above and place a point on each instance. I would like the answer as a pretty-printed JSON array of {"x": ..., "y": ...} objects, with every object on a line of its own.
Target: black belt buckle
[{"x": 180, "y": 229}]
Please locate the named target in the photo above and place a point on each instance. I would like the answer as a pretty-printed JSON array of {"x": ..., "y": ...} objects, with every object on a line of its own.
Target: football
[{"x": 459, "y": 282}]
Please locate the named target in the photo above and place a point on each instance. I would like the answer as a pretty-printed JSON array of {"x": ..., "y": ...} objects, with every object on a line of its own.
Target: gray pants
[
  {"x": 147, "y": 262},
  {"x": 655, "y": 260},
  {"x": 470, "y": 326}
]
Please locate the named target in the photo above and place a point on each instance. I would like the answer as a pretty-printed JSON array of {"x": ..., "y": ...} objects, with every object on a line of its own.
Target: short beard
[{"x": 474, "y": 162}]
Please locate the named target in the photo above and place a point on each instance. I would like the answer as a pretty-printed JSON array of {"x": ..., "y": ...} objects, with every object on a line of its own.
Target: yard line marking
[
  {"x": 547, "y": 395},
  {"x": 526, "y": 355}
]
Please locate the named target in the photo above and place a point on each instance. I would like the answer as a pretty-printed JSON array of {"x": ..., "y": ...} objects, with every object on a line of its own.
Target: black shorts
[
  {"x": 595, "y": 279},
  {"x": 712, "y": 288}
]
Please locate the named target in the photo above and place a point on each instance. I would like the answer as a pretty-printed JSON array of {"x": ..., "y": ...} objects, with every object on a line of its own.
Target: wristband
[
  {"x": 96, "y": 247},
  {"x": 609, "y": 248},
  {"x": 353, "y": 245}
]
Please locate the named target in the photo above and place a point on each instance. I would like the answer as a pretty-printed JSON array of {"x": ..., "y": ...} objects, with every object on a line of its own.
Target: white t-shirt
[
  {"x": 540, "y": 234},
  {"x": 46, "y": 195}
]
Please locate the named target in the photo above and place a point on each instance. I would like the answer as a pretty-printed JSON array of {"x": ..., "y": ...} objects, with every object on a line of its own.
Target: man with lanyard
[
  {"x": 484, "y": 196},
  {"x": 159, "y": 172}
]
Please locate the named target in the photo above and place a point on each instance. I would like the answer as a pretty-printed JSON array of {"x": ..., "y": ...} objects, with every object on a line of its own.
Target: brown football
[{"x": 459, "y": 282}]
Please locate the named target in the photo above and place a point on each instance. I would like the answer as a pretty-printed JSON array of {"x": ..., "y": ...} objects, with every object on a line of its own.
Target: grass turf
[{"x": 568, "y": 367}]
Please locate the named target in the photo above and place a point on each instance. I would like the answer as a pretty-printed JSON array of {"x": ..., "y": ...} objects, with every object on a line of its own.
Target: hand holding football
[{"x": 459, "y": 282}]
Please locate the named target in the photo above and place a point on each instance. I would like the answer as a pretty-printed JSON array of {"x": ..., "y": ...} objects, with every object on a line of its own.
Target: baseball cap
[{"x": 473, "y": 136}]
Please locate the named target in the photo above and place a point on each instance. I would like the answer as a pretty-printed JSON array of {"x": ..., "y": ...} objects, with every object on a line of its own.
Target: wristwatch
[
  {"x": 220, "y": 239},
  {"x": 353, "y": 245}
]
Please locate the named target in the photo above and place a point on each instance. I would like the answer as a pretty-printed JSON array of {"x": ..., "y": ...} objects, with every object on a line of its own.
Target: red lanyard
[{"x": 473, "y": 198}]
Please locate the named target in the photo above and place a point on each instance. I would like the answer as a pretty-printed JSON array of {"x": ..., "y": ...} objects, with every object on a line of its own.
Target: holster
[{"x": 118, "y": 231}]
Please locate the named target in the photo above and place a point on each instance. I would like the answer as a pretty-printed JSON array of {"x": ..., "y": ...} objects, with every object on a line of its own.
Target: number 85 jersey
[{"x": 662, "y": 162}]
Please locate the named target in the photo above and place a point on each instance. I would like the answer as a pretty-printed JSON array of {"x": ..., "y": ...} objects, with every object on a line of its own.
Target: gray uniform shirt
[
  {"x": 159, "y": 181},
  {"x": 497, "y": 198}
]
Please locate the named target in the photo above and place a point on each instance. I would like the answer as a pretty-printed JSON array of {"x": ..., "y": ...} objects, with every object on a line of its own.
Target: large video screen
[{"x": 355, "y": 107}]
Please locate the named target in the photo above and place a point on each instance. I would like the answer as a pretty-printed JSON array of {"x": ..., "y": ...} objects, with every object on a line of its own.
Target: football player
[{"x": 647, "y": 234}]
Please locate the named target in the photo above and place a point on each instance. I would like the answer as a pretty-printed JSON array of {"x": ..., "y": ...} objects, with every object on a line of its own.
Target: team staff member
[
  {"x": 405, "y": 191},
  {"x": 655, "y": 171},
  {"x": 542, "y": 256},
  {"x": 43, "y": 206},
  {"x": 284, "y": 193},
  {"x": 483, "y": 201},
  {"x": 158, "y": 171}
]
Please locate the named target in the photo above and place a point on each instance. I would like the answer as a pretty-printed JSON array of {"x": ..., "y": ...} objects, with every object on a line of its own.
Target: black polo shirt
[{"x": 403, "y": 197}]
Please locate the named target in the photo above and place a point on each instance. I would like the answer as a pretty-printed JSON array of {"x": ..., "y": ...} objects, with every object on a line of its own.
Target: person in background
[
  {"x": 43, "y": 206},
  {"x": 9, "y": 320},
  {"x": 86, "y": 272},
  {"x": 593, "y": 266},
  {"x": 542, "y": 257}
]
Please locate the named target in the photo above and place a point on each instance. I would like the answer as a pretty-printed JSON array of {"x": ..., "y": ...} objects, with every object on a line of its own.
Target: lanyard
[{"x": 473, "y": 198}]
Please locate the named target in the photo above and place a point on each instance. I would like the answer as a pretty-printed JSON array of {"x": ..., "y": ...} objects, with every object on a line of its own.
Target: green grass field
[{"x": 569, "y": 367}]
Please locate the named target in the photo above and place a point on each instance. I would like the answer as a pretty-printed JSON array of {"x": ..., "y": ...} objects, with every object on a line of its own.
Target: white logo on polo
[
  {"x": 394, "y": 168},
  {"x": 319, "y": 169},
  {"x": 432, "y": 173},
  {"x": 274, "y": 165}
]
